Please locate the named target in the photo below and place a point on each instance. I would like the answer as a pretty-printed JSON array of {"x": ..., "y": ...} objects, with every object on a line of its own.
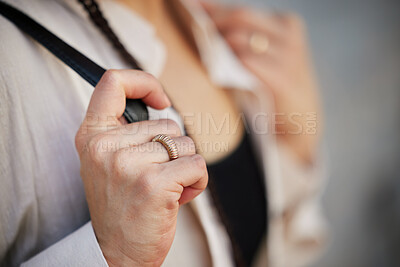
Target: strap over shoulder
[{"x": 135, "y": 109}]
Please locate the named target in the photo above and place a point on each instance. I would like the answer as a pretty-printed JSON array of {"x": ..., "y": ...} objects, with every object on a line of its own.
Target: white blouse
[{"x": 44, "y": 218}]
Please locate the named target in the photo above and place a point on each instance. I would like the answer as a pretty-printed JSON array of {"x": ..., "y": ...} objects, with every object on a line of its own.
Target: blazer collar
[{"x": 140, "y": 38}]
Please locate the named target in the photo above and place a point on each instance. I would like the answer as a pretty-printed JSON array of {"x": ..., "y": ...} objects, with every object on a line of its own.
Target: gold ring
[
  {"x": 169, "y": 145},
  {"x": 259, "y": 43}
]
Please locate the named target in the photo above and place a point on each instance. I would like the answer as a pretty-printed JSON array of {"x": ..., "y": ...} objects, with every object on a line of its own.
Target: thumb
[{"x": 109, "y": 96}]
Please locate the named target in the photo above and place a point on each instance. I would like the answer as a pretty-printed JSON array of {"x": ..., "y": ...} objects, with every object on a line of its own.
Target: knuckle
[
  {"x": 199, "y": 162},
  {"x": 201, "y": 170},
  {"x": 151, "y": 78},
  {"x": 148, "y": 76},
  {"x": 234, "y": 40},
  {"x": 94, "y": 146},
  {"x": 146, "y": 181},
  {"x": 172, "y": 124},
  {"x": 171, "y": 203},
  {"x": 170, "y": 127},
  {"x": 187, "y": 145},
  {"x": 295, "y": 31},
  {"x": 111, "y": 76},
  {"x": 293, "y": 22},
  {"x": 188, "y": 142},
  {"x": 186, "y": 139},
  {"x": 241, "y": 13}
]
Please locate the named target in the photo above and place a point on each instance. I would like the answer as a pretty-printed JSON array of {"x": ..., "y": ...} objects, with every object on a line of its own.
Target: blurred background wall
[{"x": 356, "y": 49}]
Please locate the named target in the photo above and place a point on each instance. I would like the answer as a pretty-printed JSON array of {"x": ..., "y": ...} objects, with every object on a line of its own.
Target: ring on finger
[
  {"x": 169, "y": 145},
  {"x": 259, "y": 43}
]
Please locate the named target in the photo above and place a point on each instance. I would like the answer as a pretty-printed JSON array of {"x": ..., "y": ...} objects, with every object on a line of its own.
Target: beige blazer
[{"x": 44, "y": 219}]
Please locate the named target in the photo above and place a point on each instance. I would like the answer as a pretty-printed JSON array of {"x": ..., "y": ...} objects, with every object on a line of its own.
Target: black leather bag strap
[{"x": 135, "y": 109}]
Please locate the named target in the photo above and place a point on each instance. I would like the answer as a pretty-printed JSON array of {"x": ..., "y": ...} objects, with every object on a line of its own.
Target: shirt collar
[{"x": 223, "y": 66}]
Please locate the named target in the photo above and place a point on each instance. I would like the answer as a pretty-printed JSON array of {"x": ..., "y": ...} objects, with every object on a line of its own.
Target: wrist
[{"x": 116, "y": 258}]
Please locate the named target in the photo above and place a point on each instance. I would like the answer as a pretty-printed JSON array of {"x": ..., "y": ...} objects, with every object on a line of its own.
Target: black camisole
[{"x": 237, "y": 186}]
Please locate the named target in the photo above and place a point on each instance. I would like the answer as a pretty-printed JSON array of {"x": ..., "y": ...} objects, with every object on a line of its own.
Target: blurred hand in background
[{"x": 274, "y": 47}]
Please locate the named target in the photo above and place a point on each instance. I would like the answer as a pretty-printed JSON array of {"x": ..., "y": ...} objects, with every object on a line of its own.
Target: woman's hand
[
  {"x": 132, "y": 189},
  {"x": 274, "y": 48}
]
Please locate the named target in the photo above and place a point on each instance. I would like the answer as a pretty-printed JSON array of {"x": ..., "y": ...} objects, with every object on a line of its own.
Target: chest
[{"x": 210, "y": 114}]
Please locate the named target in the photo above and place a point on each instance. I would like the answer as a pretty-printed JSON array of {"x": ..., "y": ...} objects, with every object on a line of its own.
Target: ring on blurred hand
[
  {"x": 169, "y": 145},
  {"x": 259, "y": 43}
]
